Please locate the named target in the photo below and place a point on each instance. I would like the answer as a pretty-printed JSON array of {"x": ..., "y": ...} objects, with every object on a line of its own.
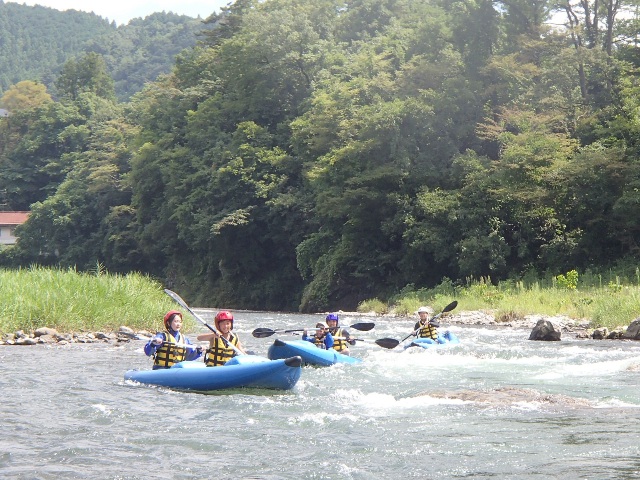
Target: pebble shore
[{"x": 571, "y": 327}]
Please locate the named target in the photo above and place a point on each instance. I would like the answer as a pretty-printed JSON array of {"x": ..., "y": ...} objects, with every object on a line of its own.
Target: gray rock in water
[
  {"x": 545, "y": 331},
  {"x": 512, "y": 395},
  {"x": 633, "y": 330},
  {"x": 600, "y": 333}
]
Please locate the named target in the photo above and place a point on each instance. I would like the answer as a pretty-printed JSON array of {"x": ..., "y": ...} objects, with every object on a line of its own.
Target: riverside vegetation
[
  {"x": 603, "y": 302},
  {"x": 308, "y": 156},
  {"x": 69, "y": 301}
]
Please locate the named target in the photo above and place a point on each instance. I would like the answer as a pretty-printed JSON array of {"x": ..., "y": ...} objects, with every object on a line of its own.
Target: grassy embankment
[
  {"x": 73, "y": 302},
  {"x": 604, "y": 302}
]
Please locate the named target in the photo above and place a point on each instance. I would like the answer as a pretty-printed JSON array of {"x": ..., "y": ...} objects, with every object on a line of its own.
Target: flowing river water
[{"x": 495, "y": 406}]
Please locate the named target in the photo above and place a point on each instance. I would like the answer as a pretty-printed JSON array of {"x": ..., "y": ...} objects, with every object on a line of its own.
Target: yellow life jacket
[
  {"x": 218, "y": 353},
  {"x": 340, "y": 343},
  {"x": 171, "y": 352},
  {"x": 319, "y": 342},
  {"x": 427, "y": 331}
]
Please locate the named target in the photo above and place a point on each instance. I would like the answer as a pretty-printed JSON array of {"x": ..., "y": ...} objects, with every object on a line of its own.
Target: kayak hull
[
  {"x": 445, "y": 339},
  {"x": 243, "y": 371},
  {"x": 310, "y": 354}
]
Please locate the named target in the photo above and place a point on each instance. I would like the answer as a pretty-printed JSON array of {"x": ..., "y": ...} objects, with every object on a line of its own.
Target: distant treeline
[
  {"x": 312, "y": 155},
  {"x": 35, "y": 42}
]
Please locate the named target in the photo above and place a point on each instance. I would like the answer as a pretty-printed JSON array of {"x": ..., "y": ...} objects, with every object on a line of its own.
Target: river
[{"x": 495, "y": 406}]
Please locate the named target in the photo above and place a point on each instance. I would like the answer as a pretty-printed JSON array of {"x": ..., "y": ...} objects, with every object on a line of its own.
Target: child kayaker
[
  {"x": 322, "y": 338},
  {"x": 423, "y": 327},
  {"x": 341, "y": 336},
  {"x": 219, "y": 352},
  {"x": 170, "y": 346}
]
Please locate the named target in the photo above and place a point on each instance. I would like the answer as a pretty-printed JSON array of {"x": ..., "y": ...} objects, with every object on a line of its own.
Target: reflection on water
[{"x": 494, "y": 406}]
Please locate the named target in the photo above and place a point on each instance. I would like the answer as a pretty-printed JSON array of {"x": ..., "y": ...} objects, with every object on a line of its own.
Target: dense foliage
[
  {"x": 35, "y": 42},
  {"x": 310, "y": 155}
]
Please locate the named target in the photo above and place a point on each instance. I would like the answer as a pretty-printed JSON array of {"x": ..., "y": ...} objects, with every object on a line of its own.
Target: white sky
[{"x": 124, "y": 10}]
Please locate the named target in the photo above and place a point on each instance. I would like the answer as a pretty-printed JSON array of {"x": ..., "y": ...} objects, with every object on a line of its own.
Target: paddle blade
[
  {"x": 262, "y": 332},
  {"x": 177, "y": 298},
  {"x": 363, "y": 327},
  {"x": 387, "y": 342},
  {"x": 450, "y": 307}
]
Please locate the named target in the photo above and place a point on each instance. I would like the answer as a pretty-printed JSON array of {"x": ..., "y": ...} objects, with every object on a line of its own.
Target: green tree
[
  {"x": 23, "y": 95},
  {"x": 85, "y": 74}
]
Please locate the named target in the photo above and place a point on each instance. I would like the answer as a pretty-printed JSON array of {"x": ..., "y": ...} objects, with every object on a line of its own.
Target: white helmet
[{"x": 423, "y": 310}]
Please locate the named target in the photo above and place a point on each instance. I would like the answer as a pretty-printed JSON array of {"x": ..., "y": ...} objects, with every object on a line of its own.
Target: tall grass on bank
[
  {"x": 603, "y": 302},
  {"x": 69, "y": 301}
]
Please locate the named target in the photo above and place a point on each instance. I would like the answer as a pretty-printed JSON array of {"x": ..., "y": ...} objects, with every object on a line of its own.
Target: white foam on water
[{"x": 101, "y": 408}]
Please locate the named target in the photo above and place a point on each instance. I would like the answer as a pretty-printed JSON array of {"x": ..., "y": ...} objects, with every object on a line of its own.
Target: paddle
[
  {"x": 383, "y": 342},
  {"x": 184, "y": 305},
  {"x": 448, "y": 308},
  {"x": 183, "y": 345},
  {"x": 267, "y": 332}
]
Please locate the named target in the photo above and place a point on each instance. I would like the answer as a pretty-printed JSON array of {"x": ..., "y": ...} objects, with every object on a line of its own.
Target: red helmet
[
  {"x": 169, "y": 317},
  {"x": 224, "y": 315}
]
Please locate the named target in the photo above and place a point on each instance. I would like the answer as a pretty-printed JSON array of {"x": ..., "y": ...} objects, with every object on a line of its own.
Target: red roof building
[{"x": 8, "y": 222}]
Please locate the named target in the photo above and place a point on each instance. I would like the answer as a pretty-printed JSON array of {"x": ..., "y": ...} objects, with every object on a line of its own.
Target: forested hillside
[
  {"x": 310, "y": 155},
  {"x": 35, "y": 42}
]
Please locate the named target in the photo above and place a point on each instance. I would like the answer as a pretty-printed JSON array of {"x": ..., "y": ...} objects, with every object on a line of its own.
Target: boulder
[
  {"x": 633, "y": 330},
  {"x": 545, "y": 331},
  {"x": 600, "y": 333},
  {"x": 125, "y": 330},
  {"x": 42, "y": 331}
]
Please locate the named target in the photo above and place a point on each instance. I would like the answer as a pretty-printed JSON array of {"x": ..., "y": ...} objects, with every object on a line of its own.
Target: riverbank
[{"x": 570, "y": 328}]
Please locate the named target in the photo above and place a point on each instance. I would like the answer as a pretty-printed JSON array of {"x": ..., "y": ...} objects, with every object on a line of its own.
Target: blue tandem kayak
[
  {"x": 311, "y": 355},
  {"x": 239, "y": 372},
  {"x": 447, "y": 338}
]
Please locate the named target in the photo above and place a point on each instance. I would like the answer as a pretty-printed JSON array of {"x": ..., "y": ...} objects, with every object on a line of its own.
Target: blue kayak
[
  {"x": 447, "y": 338},
  {"x": 311, "y": 355},
  {"x": 239, "y": 372}
]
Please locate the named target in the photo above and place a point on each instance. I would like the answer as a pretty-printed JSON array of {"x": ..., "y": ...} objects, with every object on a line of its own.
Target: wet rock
[
  {"x": 545, "y": 331},
  {"x": 633, "y": 330},
  {"x": 616, "y": 334},
  {"x": 510, "y": 396},
  {"x": 26, "y": 341},
  {"x": 600, "y": 333}
]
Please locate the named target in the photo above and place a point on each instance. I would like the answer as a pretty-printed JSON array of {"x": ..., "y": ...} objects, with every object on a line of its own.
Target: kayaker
[
  {"x": 341, "y": 336},
  {"x": 218, "y": 352},
  {"x": 423, "y": 327},
  {"x": 322, "y": 338},
  {"x": 170, "y": 347}
]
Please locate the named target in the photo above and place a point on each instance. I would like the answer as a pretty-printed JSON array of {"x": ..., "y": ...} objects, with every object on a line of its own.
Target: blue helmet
[{"x": 332, "y": 316}]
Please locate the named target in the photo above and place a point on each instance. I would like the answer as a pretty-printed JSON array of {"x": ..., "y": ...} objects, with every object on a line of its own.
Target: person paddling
[
  {"x": 170, "y": 346},
  {"x": 322, "y": 338},
  {"x": 341, "y": 337},
  {"x": 220, "y": 352},
  {"x": 423, "y": 328}
]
